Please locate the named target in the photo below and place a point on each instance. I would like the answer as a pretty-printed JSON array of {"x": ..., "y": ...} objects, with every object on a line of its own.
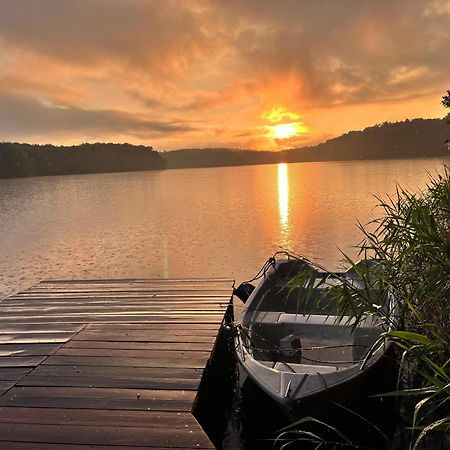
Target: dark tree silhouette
[
  {"x": 25, "y": 160},
  {"x": 446, "y": 100}
]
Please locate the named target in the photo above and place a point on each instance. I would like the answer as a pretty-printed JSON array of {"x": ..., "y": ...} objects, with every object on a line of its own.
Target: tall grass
[{"x": 411, "y": 237}]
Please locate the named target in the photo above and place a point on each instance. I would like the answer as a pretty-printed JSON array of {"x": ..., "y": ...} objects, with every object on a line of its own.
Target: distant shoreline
[
  {"x": 410, "y": 139},
  {"x": 444, "y": 156}
]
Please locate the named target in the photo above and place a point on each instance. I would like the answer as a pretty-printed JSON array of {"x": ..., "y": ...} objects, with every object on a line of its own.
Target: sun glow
[
  {"x": 284, "y": 130},
  {"x": 283, "y": 125},
  {"x": 279, "y": 115}
]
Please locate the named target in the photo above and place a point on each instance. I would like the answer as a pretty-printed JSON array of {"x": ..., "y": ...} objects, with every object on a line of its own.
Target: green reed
[{"x": 409, "y": 291}]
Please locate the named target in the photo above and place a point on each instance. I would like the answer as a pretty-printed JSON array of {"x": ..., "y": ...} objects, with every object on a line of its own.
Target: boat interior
[{"x": 288, "y": 324}]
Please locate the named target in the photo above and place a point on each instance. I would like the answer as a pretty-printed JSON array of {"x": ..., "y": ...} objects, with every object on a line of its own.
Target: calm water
[{"x": 210, "y": 222}]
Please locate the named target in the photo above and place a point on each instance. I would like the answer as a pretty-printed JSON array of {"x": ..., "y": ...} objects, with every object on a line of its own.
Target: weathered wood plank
[
  {"x": 141, "y": 336},
  {"x": 112, "y": 301},
  {"x": 99, "y": 417},
  {"x": 117, "y": 290},
  {"x": 107, "y": 312},
  {"x": 132, "y": 353},
  {"x": 8, "y": 445},
  {"x": 110, "y": 382},
  {"x": 106, "y": 361},
  {"x": 136, "y": 294},
  {"x": 28, "y": 349},
  {"x": 208, "y": 281},
  {"x": 105, "y": 435},
  {"x": 13, "y": 373},
  {"x": 33, "y": 338},
  {"x": 116, "y": 371},
  {"x": 133, "y": 345},
  {"x": 163, "y": 318},
  {"x": 40, "y": 328},
  {"x": 213, "y": 328},
  {"x": 99, "y": 398},
  {"x": 21, "y": 361},
  {"x": 150, "y": 333},
  {"x": 5, "y": 385}
]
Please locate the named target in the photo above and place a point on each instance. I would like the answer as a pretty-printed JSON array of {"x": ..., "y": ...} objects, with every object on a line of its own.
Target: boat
[{"x": 290, "y": 340}]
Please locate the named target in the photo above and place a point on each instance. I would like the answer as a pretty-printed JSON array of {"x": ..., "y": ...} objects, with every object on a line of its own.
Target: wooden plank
[
  {"x": 13, "y": 373},
  {"x": 136, "y": 294},
  {"x": 8, "y": 445},
  {"x": 106, "y": 361},
  {"x": 106, "y": 312},
  {"x": 113, "y": 301},
  {"x": 149, "y": 332},
  {"x": 21, "y": 361},
  {"x": 213, "y": 328},
  {"x": 40, "y": 328},
  {"x": 97, "y": 417},
  {"x": 122, "y": 281},
  {"x": 124, "y": 315},
  {"x": 5, "y": 385},
  {"x": 139, "y": 336},
  {"x": 145, "y": 307},
  {"x": 119, "y": 291},
  {"x": 105, "y": 435},
  {"x": 136, "y": 290},
  {"x": 133, "y": 353},
  {"x": 33, "y": 338},
  {"x": 100, "y": 398},
  {"x": 28, "y": 349},
  {"x": 163, "y": 318},
  {"x": 117, "y": 372},
  {"x": 107, "y": 381},
  {"x": 133, "y": 345},
  {"x": 107, "y": 301}
]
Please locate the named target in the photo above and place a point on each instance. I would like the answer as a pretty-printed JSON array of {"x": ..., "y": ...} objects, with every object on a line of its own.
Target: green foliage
[
  {"x": 412, "y": 238},
  {"x": 409, "y": 292},
  {"x": 446, "y": 100}
]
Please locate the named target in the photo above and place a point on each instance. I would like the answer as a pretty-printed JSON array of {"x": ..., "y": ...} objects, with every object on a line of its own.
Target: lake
[{"x": 209, "y": 222}]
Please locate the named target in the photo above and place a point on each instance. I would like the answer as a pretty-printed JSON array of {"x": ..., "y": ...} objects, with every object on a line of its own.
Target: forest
[
  {"x": 25, "y": 160},
  {"x": 418, "y": 138}
]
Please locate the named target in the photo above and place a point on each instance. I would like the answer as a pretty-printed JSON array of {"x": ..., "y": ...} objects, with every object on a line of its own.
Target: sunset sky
[{"x": 257, "y": 74}]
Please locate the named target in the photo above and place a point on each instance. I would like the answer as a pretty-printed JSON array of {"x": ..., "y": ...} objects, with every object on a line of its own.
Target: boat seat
[
  {"x": 316, "y": 319},
  {"x": 309, "y": 369},
  {"x": 266, "y": 317},
  {"x": 312, "y": 319}
]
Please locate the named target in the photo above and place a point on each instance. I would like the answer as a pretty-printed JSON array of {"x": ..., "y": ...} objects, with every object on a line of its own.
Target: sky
[{"x": 256, "y": 74}]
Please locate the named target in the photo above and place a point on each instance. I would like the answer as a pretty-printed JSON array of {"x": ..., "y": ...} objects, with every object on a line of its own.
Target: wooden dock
[{"x": 107, "y": 364}]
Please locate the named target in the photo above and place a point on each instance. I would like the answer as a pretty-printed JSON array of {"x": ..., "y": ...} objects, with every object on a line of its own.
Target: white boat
[{"x": 290, "y": 341}]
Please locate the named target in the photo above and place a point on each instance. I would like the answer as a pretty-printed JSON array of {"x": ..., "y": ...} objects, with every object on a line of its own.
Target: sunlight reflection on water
[{"x": 283, "y": 204}]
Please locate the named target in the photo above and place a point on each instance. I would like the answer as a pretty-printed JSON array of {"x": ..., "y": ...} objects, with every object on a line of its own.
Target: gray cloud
[
  {"x": 22, "y": 116},
  {"x": 163, "y": 36},
  {"x": 354, "y": 44}
]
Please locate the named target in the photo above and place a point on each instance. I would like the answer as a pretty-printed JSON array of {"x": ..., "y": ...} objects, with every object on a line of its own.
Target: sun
[
  {"x": 283, "y": 127},
  {"x": 284, "y": 130}
]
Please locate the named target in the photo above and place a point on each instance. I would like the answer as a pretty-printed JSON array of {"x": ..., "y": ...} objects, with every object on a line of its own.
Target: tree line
[
  {"x": 25, "y": 160},
  {"x": 416, "y": 138}
]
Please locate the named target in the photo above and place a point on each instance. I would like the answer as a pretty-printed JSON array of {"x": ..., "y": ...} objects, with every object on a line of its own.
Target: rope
[
  {"x": 271, "y": 262},
  {"x": 277, "y": 349}
]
